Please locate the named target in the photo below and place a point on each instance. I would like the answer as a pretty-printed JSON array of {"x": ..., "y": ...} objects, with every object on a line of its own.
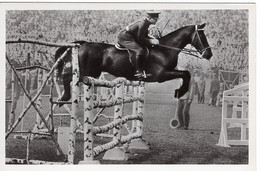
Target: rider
[{"x": 135, "y": 38}]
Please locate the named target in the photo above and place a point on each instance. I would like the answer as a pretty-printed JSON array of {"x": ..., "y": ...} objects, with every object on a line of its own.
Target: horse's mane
[{"x": 176, "y": 32}]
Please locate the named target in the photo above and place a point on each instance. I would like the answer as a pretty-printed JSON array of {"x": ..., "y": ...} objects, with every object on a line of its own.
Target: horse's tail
[{"x": 58, "y": 54}]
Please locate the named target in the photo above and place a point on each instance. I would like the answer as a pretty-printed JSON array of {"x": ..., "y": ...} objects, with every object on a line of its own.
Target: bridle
[
  {"x": 191, "y": 51},
  {"x": 201, "y": 44}
]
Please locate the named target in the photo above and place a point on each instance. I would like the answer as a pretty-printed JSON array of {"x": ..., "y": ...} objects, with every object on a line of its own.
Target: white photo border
[{"x": 251, "y": 6}]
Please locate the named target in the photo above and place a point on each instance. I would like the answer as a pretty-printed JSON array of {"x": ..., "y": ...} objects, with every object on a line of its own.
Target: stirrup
[
  {"x": 142, "y": 75},
  {"x": 139, "y": 75}
]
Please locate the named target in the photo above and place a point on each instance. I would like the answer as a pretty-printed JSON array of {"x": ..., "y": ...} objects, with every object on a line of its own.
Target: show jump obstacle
[
  {"x": 113, "y": 149},
  {"x": 114, "y": 152},
  {"x": 33, "y": 99},
  {"x": 238, "y": 99}
]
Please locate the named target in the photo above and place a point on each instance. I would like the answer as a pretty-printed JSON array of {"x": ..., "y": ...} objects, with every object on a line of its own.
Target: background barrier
[{"x": 236, "y": 96}]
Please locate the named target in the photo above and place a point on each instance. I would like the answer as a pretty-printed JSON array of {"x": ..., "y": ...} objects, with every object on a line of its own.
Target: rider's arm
[
  {"x": 142, "y": 35},
  {"x": 154, "y": 32}
]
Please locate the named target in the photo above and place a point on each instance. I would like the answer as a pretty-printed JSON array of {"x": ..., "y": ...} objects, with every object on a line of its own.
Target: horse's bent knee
[
  {"x": 187, "y": 75},
  {"x": 140, "y": 52}
]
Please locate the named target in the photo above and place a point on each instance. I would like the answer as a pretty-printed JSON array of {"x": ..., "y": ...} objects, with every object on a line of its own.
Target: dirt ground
[{"x": 167, "y": 146}]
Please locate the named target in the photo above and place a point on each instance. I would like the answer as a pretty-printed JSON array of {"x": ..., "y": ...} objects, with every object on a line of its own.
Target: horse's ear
[{"x": 202, "y": 26}]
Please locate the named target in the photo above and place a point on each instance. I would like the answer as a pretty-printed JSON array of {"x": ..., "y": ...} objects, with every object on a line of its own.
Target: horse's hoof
[{"x": 181, "y": 93}]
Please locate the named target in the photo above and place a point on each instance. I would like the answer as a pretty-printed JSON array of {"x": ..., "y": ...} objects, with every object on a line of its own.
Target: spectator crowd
[{"x": 226, "y": 30}]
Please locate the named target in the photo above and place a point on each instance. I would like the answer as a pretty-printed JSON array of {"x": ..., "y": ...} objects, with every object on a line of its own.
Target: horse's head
[{"x": 200, "y": 42}]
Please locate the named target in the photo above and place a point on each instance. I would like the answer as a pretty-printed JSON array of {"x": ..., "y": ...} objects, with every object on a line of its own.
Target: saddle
[{"x": 130, "y": 53}]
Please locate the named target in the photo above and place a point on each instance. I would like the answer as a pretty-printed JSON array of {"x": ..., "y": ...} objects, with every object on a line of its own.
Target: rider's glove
[{"x": 154, "y": 41}]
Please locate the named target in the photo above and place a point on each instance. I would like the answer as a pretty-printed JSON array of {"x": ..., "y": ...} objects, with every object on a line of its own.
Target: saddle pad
[
  {"x": 130, "y": 53},
  {"x": 120, "y": 47}
]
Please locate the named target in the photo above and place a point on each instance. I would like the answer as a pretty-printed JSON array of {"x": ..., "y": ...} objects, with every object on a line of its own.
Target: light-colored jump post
[
  {"x": 135, "y": 109},
  {"x": 139, "y": 143},
  {"x": 113, "y": 152},
  {"x": 88, "y": 123},
  {"x": 39, "y": 100},
  {"x": 14, "y": 99},
  {"x": 74, "y": 107},
  {"x": 117, "y": 153}
]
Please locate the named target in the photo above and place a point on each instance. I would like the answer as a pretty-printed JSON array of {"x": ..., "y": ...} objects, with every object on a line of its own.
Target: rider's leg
[
  {"x": 138, "y": 62},
  {"x": 133, "y": 46},
  {"x": 138, "y": 66}
]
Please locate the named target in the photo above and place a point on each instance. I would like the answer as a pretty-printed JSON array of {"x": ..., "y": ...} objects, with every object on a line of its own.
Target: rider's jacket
[{"x": 137, "y": 31}]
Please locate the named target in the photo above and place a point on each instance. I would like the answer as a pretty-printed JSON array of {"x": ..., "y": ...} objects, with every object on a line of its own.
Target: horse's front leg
[
  {"x": 67, "y": 78},
  {"x": 170, "y": 75}
]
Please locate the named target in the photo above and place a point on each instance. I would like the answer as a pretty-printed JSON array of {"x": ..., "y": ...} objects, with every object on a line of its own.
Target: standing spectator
[
  {"x": 201, "y": 89},
  {"x": 220, "y": 95},
  {"x": 196, "y": 79},
  {"x": 183, "y": 106},
  {"x": 214, "y": 89}
]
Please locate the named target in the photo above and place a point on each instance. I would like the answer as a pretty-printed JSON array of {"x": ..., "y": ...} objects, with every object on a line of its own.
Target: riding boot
[{"x": 138, "y": 66}]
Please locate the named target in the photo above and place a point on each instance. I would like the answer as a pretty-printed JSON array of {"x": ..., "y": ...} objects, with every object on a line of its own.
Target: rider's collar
[{"x": 146, "y": 20}]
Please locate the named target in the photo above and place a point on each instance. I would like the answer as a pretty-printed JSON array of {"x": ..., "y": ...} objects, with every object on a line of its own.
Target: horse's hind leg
[
  {"x": 185, "y": 75},
  {"x": 67, "y": 78}
]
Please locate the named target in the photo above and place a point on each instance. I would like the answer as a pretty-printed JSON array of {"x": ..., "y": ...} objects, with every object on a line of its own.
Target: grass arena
[{"x": 167, "y": 146}]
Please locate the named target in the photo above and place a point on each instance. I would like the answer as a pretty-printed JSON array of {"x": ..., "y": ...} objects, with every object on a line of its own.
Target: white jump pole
[
  {"x": 24, "y": 96},
  {"x": 117, "y": 153},
  {"x": 88, "y": 125},
  {"x": 140, "y": 109},
  {"x": 139, "y": 143},
  {"x": 244, "y": 116},
  {"x": 74, "y": 107},
  {"x": 14, "y": 101},
  {"x": 135, "y": 108},
  {"x": 39, "y": 100},
  {"x": 118, "y": 111}
]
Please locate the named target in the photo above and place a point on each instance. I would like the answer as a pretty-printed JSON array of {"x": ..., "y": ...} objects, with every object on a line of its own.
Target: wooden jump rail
[
  {"x": 24, "y": 161},
  {"x": 41, "y": 43},
  {"x": 32, "y": 67}
]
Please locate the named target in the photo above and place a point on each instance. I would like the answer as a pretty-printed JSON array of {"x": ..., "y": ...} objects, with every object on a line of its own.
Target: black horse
[{"x": 160, "y": 64}]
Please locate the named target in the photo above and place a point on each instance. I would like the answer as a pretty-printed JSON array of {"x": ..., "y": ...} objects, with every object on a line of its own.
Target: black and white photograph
[{"x": 153, "y": 83}]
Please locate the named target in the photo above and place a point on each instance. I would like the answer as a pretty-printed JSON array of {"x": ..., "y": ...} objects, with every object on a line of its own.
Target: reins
[
  {"x": 185, "y": 50},
  {"x": 189, "y": 51}
]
